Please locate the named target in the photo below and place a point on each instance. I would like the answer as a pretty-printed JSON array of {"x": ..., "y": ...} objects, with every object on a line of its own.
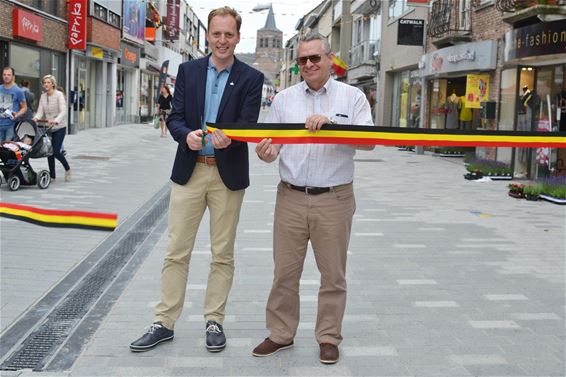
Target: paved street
[{"x": 446, "y": 277}]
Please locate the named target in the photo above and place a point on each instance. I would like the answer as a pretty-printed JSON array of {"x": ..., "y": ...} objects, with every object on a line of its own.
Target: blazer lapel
[
  {"x": 229, "y": 88},
  {"x": 201, "y": 87}
]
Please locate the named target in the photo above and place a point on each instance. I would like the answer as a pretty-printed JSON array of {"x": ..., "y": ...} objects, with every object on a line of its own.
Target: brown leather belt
[{"x": 208, "y": 160}]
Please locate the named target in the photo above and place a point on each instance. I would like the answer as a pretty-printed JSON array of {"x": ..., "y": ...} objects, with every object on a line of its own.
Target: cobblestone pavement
[{"x": 446, "y": 277}]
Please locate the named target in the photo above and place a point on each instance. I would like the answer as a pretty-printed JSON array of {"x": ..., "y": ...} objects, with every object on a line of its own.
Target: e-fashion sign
[
  {"x": 410, "y": 32},
  {"x": 539, "y": 39},
  {"x": 172, "y": 22}
]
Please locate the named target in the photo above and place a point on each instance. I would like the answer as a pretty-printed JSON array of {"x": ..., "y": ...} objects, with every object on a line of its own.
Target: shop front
[
  {"x": 31, "y": 53},
  {"x": 127, "y": 84},
  {"x": 149, "y": 81},
  {"x": 533, "y": 94},
  {"x": 94, "y": 80},
  {"x": 458, "y": 80},
  {"x": 406, "y": 99}
]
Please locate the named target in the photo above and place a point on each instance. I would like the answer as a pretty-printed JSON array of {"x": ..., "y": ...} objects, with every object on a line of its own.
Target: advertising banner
[
  {"x": 77, "y": 24},
  {"x": 134, "y": 20},
  {"x": 477, "y": 90},
  {"x": 172, "y": 23}
]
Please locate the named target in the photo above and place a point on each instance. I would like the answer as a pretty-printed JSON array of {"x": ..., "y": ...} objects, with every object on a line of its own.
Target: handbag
[
  {"x": 156, "y": 122},
  {"x": 45, "y": 147}
]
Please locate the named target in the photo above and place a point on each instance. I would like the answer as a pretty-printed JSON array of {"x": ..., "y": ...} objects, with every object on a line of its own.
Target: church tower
[{"x": 269, "y": 48}]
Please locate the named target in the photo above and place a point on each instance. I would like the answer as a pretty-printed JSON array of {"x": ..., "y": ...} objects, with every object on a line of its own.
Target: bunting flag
[
  {"x": 345, "y": 134},
  {"x": 339, "y": 66},
  {"x": 59, "y": 218}
]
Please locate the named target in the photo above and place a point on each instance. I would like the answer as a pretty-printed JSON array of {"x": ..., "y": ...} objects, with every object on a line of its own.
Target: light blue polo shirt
[{"x": 215, "y": 84}]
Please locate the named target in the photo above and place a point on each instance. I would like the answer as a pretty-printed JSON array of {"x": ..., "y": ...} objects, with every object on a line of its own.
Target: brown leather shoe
[
  {"x": 269, "y": 347},
  {"x": 329, "y": 353}
]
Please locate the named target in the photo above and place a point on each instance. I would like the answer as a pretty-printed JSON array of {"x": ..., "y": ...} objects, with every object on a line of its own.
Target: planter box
[
  {"x": 516, "y": 195},
  {"x": 500, "y": 177},
  {"x": 552, "y": 199}
]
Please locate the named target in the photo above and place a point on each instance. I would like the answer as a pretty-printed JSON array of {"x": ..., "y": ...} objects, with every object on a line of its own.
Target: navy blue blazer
[{"x": 240, "y": 103}]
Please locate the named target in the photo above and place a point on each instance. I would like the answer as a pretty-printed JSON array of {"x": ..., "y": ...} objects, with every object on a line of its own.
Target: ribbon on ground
[
  {"x": 59, "y": 218},
  {"x": 295, "y": 133}
]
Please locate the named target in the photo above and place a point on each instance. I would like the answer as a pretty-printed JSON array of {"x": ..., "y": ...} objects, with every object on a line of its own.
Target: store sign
[
  {"x": 477, "y": 90},
  {"x": 410, "y": 32},
  {"x": 134, "y": 20},
  {"x": 129, "y": 55},
  {"x": 27, "y": 25},
  {"x": 476, "y": 56},
  {"x": 172, "y": 22},
  {"x": 77, "y": 24},
  {"x": 539, "y": 39}
]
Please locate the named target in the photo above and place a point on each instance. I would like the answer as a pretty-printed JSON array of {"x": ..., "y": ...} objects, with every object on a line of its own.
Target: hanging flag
[
  {"x": 59, "y": 218},
  {"x": 295, "y": 69},
  {"x": 296, "y": 133},
  {"x": 339, "y": 66}
]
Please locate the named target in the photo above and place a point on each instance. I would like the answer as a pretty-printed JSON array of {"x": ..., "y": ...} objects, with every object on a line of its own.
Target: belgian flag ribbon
[
  {"x": 295, "y": 133},
  {"x": 59, "y": 218}
]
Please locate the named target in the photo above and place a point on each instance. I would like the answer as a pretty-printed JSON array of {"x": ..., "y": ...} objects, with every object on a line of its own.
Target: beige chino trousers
[
  {"x": 325, "y": 220},
  {"x": 186, "y": 208}
]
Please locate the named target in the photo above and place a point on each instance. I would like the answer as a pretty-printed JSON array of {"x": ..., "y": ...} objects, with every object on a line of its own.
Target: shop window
[{"x": 25, "y": 61}]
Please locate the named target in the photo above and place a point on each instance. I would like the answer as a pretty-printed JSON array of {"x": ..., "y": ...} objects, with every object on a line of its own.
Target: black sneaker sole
[
  {"x": 149, "y": 347},
  {"x": 215, "y": 348}
]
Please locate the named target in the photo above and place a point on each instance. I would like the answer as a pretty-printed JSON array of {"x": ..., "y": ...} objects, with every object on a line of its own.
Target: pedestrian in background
[
  {"x": 209, "y": 171},
  {"x": 12, "y": 103},
  {"x": 315, "y": 200},
  {"x": 30, "y": 97},
  {"x": 164, "y": 108},
  {"x": 53, "y": 108}
]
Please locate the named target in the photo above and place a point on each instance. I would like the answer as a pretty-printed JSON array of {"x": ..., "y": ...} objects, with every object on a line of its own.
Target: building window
[
  {"x": 397, "y": 8},
  {"x": 261, "y": 42},
  {"x": 114, "y": 19},
  {"x": 100, "y": 12}
]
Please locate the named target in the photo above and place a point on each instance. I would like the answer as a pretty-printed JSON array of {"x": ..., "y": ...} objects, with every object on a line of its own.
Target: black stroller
[{"x": 16, "y": 167}]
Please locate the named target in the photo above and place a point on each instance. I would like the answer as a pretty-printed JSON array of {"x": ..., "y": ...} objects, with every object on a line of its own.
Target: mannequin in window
[
  {"x": 466, "y": 115},
  {"x": 452, "y": 111}
]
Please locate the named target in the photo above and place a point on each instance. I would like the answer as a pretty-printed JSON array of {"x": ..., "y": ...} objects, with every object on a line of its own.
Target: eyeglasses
[{"x": 302, "y": 60}]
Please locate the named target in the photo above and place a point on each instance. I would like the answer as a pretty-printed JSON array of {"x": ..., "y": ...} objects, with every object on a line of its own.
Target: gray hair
[{"x": 316, "y": 36}]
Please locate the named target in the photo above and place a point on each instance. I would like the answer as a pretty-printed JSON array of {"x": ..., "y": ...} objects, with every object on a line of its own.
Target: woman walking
[
  {"x": 53, "y": 108},
  {"x": 164, "y": 108}
]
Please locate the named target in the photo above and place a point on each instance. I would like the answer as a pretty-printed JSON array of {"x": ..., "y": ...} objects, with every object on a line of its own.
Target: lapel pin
[{"x": 232, "y": 83}]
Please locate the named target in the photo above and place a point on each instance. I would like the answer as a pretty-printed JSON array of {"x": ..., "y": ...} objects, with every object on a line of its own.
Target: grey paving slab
[{"x": 446, "y": 277}]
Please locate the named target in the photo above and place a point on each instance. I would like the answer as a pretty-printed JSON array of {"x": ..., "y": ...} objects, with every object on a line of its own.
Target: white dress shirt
[{"x": 319, "y": 165}]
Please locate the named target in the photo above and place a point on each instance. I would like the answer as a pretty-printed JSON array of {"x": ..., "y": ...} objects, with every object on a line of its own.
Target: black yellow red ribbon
[
  {"x": 295, "y": 133},
  {"x": 59, "y": 218}
]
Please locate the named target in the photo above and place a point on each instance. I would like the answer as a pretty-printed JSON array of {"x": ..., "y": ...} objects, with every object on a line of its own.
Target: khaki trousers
[
  {"x": 325, "y": 220},
  {"x": 186, "y": 208}
]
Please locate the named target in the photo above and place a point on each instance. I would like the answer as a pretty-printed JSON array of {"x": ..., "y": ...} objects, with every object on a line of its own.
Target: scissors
[{"x": 203, "y": 128}]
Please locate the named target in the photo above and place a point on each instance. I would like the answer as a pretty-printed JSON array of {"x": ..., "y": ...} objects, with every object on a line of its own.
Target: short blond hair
[
  {"x": 226, "y": 11},
  {"x": 50, "y": 78}
]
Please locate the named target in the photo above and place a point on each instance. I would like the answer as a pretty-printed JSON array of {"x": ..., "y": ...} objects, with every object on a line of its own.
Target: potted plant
[
  {"x": 495, "y": 170},
  {"x": 516, "y": 190},
  {"x": 554, "y": 189},
  {"x": 532, "y": 192}
]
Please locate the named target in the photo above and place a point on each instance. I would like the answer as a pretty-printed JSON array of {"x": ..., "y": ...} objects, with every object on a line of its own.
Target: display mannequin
[{"x": 452, "y": 111}]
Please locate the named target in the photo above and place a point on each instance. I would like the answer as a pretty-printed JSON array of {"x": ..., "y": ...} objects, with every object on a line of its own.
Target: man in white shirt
[{"x": 315, "y": 200}]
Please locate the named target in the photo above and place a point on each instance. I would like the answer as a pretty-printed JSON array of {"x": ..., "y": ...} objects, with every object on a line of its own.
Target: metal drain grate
[{"x": 39, "y": 347}]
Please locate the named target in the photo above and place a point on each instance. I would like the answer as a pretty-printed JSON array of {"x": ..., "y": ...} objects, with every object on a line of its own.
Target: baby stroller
[{"x": 16, "y": 167}]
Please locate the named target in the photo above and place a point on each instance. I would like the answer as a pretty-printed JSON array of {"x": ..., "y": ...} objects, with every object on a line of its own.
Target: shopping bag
[{"x": 156, "y": 122}]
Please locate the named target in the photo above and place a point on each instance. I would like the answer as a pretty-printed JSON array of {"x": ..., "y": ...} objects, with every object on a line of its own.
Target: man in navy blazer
[{"x": 210, "y": 170}]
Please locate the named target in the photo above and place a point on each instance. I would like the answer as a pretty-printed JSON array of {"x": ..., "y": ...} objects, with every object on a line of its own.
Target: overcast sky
[{"x": 287, "y": 13}]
